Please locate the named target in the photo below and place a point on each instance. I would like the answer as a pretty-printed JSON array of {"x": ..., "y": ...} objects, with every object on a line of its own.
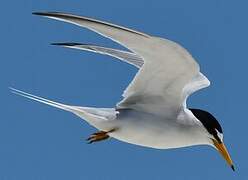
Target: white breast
[{"x": 152, "y": 131}]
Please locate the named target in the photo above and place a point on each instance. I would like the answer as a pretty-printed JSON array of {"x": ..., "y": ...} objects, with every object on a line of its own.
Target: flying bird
[{"x": 153, "y": 112}]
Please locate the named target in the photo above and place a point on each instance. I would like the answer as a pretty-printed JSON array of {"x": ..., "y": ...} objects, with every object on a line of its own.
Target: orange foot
[{"x": 99, "y": 136}]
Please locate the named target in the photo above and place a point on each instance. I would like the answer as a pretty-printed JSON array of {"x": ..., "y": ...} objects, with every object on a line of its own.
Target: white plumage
[{"x": 153, "y": 112}]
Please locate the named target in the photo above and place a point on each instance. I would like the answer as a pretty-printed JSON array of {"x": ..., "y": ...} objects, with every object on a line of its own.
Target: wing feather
[
  {"x": 167, "y": 77},
  {"x": 125, "y": 56}
]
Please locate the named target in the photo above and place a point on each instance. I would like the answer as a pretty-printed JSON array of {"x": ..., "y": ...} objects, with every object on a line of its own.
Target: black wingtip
[
  {"x": 39, "y": 13},
  {"x": 232, "y": 166},
  {"x": 66, "y": 44},
  {"x": 45, "y": 13}
]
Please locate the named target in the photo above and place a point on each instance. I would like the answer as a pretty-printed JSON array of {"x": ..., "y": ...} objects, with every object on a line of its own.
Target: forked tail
[
  {"x": 87, "y": 113},
  {"x": 43, "y": 100}
]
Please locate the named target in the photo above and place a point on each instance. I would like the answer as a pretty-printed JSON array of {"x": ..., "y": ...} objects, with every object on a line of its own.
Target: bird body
[
  {"x": 156, "y": 132},
  {"x": 137, "y": 127},
  {"x": 153, "y": 112}
]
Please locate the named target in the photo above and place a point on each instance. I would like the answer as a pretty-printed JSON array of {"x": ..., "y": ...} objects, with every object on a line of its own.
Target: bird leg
[{"x": 99, "y": 136}]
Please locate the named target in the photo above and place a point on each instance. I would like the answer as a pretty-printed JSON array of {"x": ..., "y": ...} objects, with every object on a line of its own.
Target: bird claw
[{"x": 98, "y": 136}]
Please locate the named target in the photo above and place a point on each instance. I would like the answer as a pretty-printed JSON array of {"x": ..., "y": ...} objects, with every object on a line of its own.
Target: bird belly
[{"x": 152, "y": 131}]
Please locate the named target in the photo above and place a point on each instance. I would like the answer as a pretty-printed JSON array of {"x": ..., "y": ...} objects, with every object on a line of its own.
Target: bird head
[{"x": 214, "y": 132}]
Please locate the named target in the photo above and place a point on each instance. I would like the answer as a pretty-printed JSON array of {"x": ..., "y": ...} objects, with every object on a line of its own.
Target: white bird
[{"x": 153, "y": 112}]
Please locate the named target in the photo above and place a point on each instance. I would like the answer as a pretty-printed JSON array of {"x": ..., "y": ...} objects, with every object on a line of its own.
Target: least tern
[{"x": 153, "y": 112}]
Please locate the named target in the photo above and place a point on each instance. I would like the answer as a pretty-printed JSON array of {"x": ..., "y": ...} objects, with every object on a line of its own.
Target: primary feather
[{"x": 125, "y": 56}]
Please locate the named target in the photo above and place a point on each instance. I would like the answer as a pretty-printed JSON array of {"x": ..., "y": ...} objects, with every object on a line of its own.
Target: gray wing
[
  {"x": 169, "y": 74},
  {"x": 125, "y": 56}
]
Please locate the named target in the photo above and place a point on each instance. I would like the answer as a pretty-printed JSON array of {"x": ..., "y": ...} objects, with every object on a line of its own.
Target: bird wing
[
  {"x": 169, "y": 74},
  {"x": 125, "y": 56}
]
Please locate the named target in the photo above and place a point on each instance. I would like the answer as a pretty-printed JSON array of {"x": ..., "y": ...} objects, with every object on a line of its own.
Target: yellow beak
[{"x": 223, "y": 151}]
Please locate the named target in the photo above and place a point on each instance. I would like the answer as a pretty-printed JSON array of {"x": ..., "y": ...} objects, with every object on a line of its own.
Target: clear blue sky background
[{"x": 42, "y": 143}]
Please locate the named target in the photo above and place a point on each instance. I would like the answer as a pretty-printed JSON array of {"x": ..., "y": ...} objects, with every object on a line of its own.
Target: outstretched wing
[
  {"x": 125, "y": 56},
  {"x": 169, "y": 74}
]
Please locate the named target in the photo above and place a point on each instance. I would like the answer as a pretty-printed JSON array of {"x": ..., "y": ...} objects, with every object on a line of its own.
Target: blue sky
[{"x": 42, "y": 143}]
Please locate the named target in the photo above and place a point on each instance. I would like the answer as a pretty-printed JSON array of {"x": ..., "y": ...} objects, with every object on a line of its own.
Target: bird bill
[{"x": 223, "y": 151}]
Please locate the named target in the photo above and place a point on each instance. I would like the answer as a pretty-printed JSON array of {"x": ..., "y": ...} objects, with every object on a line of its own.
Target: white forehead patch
[{"x": 220, "y": 135}]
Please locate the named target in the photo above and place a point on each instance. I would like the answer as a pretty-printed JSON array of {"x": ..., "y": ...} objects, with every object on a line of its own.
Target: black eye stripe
[{"x": 216, "y": 136}]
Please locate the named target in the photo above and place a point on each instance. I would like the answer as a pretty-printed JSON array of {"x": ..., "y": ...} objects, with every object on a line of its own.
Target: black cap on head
[{"x": 208, "y": 121}]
